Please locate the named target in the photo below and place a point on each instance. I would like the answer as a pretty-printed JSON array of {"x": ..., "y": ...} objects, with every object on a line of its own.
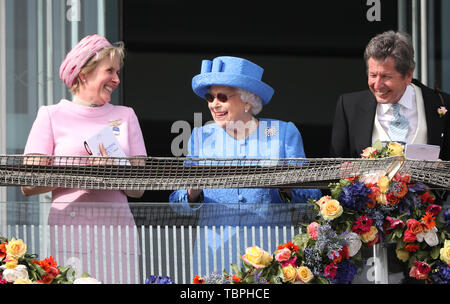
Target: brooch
[{"x": 270, "y": 131}]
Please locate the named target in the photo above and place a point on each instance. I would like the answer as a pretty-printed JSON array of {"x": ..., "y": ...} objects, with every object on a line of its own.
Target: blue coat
[{"x": 242, "y": 206}]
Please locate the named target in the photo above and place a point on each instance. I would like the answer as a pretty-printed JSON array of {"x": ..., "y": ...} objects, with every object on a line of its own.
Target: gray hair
[
  {"x": 392, "y": 44},
  {"x": 252, "y": 99}
]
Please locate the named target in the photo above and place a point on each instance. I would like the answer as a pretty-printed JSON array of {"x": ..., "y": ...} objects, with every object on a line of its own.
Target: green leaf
[
  {"x": 435, "y": 252},
  {"x": 235, "y": 269},
  {"x": 301, "y": 240},
  {"x": 322, "y": 280},
  {"x": 422, "y": 254},
  {"x": 378, "y": 145}
]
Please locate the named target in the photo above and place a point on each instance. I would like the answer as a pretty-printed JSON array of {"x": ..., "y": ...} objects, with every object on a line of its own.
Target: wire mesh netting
[{"x": 166, "y": 173}]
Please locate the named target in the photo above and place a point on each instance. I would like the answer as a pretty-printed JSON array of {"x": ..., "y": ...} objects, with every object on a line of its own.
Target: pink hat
[{"x": 79, "y": 55}]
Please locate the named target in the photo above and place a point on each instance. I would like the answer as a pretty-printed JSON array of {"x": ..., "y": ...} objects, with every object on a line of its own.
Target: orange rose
[
  {"x": 415, "y": 226},
  {"x": 370, "y": 235}
]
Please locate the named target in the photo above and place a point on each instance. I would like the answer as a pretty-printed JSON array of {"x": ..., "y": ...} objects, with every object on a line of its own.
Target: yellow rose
[
  {"x": 382, "y": 199},
  {"x": 370, "y": 235},
  {"x": 23, "y": 281},
  {"x": 445, "y": 252},
  {"x": 257, "y": 257},
  {"x": 290, "y": 273},
  {"x": 322, "y": 200},
  {"x": 11, "y": 263},
  {"x": 304, "y": 274},
  {"x": 383, "y": 184},
  {"x": 402, "y": 255},
  {"x": 395, "y": 149},
  {"x": 331, "y": 209},
  {"x": 16, "y": 248}
]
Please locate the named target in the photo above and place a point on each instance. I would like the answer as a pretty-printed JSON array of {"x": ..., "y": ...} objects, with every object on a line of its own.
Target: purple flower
[
  {"x": 442, "y": 275},
  {"x": 345, "y": 273},
  {"x": 354, "y": 196},
  {"x": 152, "y": 279},
  {"x": 446, "y": 216}
]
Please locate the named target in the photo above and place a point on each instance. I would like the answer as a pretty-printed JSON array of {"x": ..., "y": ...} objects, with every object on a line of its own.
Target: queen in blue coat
[{"x": 235, "y": 94}]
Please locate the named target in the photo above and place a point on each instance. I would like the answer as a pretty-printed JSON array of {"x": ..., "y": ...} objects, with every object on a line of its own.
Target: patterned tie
[{"x": 398, "y": 127}]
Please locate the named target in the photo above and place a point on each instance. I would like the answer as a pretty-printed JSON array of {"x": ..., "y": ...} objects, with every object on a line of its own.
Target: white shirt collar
[{"x": 405, "y": 101}]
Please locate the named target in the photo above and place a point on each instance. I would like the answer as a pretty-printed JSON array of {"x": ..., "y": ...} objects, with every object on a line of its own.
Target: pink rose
[
  {"x": 442, "y": 110},
  {"x": 422, "y": 267},
  {"x": 369, "y": 152},
  {"x": 420, "y": 270},
  {"x": 291, "y": 262},
  {"x": 434, "y": 209},
  {"x": 395, "y": 223},
  {"x": 283, "y": 255},
  {"x": 313, "y": 230}
]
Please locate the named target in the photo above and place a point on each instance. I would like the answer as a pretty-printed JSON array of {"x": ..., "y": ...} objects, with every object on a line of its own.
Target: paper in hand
[
  {"x": 422, "y": 152},
  {"x": 109, "y": 141}
]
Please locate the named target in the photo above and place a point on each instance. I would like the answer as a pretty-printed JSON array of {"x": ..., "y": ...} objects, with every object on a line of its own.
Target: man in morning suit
[{"x": 363, "y": 117}]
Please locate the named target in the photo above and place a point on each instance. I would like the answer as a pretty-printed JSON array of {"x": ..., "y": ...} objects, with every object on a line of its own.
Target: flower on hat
[{"x": 442, "y": 110}]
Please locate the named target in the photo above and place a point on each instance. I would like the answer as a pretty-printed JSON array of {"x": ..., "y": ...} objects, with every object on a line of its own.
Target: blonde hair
[{"x": 115, "y": 51}]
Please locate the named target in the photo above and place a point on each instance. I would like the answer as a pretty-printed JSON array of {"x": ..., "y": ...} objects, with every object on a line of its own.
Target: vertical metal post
[
  {"x": 402, "y": 20},
  {"x": 415, "y": 36},
  {"x": 74, "y": 23},
  {"x": 423, "y": 43},
  {"x": 101, "y": 18},
  {"x": 49, "y": 52},
  {"x": 3, "y": 216},
  {"x": 380, "y": 264}
]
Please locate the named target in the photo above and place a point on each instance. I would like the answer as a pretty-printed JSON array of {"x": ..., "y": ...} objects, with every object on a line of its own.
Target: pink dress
[{"x": 81, "y": 217}]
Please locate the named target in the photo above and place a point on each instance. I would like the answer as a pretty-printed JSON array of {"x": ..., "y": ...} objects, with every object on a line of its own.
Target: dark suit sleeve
[
  {"x": 340, "y": 146},
  {"x": 445, "y": 147}
]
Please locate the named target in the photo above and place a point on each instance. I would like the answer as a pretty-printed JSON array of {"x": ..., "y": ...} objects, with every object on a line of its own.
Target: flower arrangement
[
  {"x": 19, "y": 267},
  {"x": 360, "y": 212}
]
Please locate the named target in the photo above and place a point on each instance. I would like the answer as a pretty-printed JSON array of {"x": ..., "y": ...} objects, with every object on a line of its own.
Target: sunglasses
[{"x": 220, "y": 96}]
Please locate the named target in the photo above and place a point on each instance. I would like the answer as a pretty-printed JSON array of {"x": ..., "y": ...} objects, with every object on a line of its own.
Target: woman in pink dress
[{"x": 81, "y": 217}]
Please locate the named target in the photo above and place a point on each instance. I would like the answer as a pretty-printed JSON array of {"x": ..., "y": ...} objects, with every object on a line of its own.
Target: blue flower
[
  {"x": 446, "y": 216},
  {"x": 345, "y": 273},
  {"x": 354, "y": 196},
  {"x": 152, "y": 279},
  {"x": 442, "y": 275}
]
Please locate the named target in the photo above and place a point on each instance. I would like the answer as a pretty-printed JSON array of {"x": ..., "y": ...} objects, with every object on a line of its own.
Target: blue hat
[{"x": 233, "y": 72}]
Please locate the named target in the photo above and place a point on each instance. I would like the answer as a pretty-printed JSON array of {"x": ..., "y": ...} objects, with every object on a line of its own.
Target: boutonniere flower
[{"x": 442, "y": 110}]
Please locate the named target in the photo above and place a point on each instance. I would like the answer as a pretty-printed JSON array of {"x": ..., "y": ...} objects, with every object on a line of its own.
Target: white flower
[
  {"x": 87, "y": 280},
  {"x": 20, "y": 272},
  {"x": 371, "y": 178},
  {"x": 429, "y": 236},
  {"x": 354, "y": 244}
]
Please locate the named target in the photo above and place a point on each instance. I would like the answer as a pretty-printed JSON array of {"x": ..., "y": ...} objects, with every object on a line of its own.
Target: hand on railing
[
  {"x": 42, "y": 161},
  {"x": 104, "y": 159}
]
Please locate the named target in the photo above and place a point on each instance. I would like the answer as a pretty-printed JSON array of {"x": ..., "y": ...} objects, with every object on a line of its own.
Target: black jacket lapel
[{"x": 435, "y": 125}]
